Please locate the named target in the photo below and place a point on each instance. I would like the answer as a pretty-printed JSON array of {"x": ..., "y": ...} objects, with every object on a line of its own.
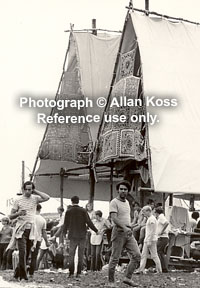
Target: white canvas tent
[
  {"x": 87, "y": 73},
  {"x": 168, "y": 52}
]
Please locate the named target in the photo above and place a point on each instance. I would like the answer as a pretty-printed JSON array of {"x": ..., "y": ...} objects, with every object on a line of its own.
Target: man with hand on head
[
  {"x": 122, "y": 235},
  {"x": 24, "y": 209}
]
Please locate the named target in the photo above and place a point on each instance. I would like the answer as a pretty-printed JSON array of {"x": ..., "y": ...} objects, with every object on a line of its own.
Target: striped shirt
[{"x": 28, "y": 204}]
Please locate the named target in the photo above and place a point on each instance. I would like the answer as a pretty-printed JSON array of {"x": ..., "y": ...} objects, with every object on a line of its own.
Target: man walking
[
  {"x": 75, "y": 223},
  {"x": 24, "y": 209},
  {"x": 40, "y": 226},
  {"x": 122, "y": 235},
  {"x": 163, "y": 238},
  {"x": 150, "y": 241}
]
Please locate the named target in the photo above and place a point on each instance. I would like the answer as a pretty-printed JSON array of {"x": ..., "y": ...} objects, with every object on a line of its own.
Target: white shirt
[
  {"x": 122, "y": 208},
  {"x": 151, "y": 229},
  {"x": 162, "y": 220},
  {"x": 100, "y": 225},
  {"x": 40, "y": 224}
]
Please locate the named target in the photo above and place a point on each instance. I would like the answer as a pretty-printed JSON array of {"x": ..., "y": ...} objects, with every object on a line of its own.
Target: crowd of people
[{"x": 143, "y": 232}]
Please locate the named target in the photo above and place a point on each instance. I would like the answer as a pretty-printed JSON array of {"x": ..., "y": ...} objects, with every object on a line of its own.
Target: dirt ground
[{"x": 57, "y": 279}]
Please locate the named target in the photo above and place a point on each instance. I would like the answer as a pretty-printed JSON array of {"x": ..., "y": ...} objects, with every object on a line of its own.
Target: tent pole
[
  {"x": 147, "y": 5},
  {"x": 192, "y": 203},
  {"x": 111, "y": 182},
  {"x": 23, "y": 173},
  {"x": 163, "y": 202},
  {"x": 62, "y": 173},
  {"x": 170, "y": 199},
  {"x": 92, "y": 186},
  {"x": 94, "y": 27}
]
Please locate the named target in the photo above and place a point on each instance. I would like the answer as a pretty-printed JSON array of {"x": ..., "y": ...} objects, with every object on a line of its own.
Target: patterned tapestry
[
  {"x": 67, "y": 142},
  {"x": 123, "y": 139}
]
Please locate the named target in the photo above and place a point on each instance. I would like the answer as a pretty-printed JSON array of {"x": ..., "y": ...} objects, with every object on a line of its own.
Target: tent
[
  {"x": 87, "y": 74},
  {"x": 155, "y": 88},
  {"x": 159, "y": 68}
]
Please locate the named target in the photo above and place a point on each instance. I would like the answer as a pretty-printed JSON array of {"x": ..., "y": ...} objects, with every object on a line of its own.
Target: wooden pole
[
  {"x": 92, "y": 177},
  {"x": 163, "y": 201},
  {"x": 92, "y": 186},
  {"x": 192, "y": 203},
  {"x": 170, "y": 199},
  {"x": 23, "y": 173},
  {"x": 22, "y": 178},
  {"x": 147, "y": 5},
  {"x": 94, "y": 30},
  {"x": 111, "y": 183},
  {"x": 62, "y": 173}
]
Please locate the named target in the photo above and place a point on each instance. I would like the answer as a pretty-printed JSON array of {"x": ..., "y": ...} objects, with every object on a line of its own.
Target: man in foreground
[
  {"x": 122, "y": 235},
  {"x": 24, "y": 209}
]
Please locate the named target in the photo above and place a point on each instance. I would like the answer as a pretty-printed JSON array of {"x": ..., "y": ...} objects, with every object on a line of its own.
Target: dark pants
[
  {"x": 161, "y": 247},
  {"x": 24, "y": 246},
  {"x": 172, "y": 240},
  {"x": 120, "y": 240},
  {"x": 96, "y": 262},
  {"x": 74, "y": 243},
  {"x": 7, "y": 259},
  {"x": 3, "y": 247},
  {"x": 34, "y": 258},
  {"x": 88, "y": 250}
]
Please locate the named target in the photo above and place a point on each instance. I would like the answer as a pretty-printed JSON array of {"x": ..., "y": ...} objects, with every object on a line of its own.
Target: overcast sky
[{"x": 33, "y": 45}]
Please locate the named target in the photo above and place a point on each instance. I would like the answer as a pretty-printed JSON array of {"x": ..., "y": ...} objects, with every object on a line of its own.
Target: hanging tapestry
[{"x": 67, "y": 142}]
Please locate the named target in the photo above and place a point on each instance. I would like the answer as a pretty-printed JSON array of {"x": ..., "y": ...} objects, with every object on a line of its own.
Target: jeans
[
  {"x": 119, "y": 240},
  {"x": 154, "y": 255},
  {"x": 24, "y": 246},
  {"x": 96, "y": 257},
  {"x": 3, "y": 247},
  {"x": 161, "y": 245},
  {"x": 7, "y": 260},
  {"x": 74, "y": 243},
  {"x": 34, "y": 255}
]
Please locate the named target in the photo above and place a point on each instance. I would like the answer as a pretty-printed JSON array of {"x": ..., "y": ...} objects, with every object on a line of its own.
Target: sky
[{"x": 33, "y": 46}]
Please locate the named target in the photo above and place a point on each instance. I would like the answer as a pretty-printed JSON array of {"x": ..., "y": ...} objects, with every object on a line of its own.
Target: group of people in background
[{"x": 142, "y": 231}]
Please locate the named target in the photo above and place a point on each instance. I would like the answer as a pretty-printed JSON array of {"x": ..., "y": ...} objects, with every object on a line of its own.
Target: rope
[
  {"x": 94, "y": 29},
  {"x": 164, "y": 16}
]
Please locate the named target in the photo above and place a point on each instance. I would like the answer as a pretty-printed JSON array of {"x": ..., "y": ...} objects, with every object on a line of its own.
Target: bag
[{"x": 15, "y": 259}]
